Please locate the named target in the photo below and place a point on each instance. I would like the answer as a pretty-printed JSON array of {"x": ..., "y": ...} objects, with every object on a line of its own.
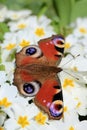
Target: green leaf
[
  {"x": 2, "y": 67},
  {"x": 63, "y": 10},
  {"x": 3, "y": 29},
  {"x": 79, "y": 10},
  {"x": 0, "y": 55},
  {"x": 11, "y": 56},
  {"x": 42, "y": 9}
]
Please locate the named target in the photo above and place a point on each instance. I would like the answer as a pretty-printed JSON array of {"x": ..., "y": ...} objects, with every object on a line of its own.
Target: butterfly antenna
[
  {"x": 74, "y": 57},
  {"x": 71, "y": 75}
]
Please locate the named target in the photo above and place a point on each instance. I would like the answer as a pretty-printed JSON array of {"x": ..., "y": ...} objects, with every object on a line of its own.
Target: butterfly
[{"x": 36, "y": 74}]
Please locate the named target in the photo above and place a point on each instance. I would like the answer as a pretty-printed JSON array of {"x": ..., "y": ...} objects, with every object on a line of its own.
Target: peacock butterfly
[{"x": 36, "y": 74}]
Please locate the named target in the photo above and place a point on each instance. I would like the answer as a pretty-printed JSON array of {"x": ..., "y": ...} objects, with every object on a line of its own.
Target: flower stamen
[
  {"x": 40, "y": 118},
  {"x": 68, "y": 82},
  {"x": 39, "y": 32},
  {"x": 23, "y": 121},
  {"x": 4, "y": 102}
]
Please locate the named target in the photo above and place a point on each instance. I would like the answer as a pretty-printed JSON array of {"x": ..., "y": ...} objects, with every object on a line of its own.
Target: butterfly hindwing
[{"x": 49, "y": 98}]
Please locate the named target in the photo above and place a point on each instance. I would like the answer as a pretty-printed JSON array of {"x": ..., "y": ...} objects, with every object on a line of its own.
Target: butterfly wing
[
  {"x": 27, "y": 74},
  {"x": 53, "y": 49},
  {"x": 49, "y": 98},
  {"x": 35, "y": 74}
]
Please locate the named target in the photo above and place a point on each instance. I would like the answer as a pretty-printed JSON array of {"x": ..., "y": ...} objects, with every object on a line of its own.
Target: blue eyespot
[
  {"x": 31, "y": 88},
  {"x": 28, "y": 88},
  {"x": 56, "y": 108},
  {"x": 31, "y": 51}
]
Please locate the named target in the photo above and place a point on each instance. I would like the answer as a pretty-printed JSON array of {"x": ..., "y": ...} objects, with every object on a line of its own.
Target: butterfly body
[{"x": 36, "y": 74}]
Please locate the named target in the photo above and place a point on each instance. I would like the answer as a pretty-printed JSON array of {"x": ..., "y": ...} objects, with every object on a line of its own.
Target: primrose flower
[
  {"x": 40, "y": 118},
  {"x": 3, "y": 12},
  {"x": 17, "y": 15},
  {"x": 81, "y": 27}
]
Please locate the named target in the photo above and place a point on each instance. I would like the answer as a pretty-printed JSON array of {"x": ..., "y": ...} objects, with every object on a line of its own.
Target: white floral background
[{"x": 15, "y": 111}]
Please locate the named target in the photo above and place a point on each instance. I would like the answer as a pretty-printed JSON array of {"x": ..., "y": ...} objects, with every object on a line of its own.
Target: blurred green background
[{"x": 62, "y": 12}]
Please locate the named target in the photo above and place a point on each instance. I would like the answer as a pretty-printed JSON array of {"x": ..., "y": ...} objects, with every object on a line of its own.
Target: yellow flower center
[
  {"x": 4, "y": 102},
  {"x": 0, "y": 16},
  {"x": 83, "y": 30},
  {"x": 78, "y": 104},
  {"x": 23, "y": 121},
  {"x": 75, "y": 68},
  {"x": 15, "y": 15},
  {"x": 39, "y": 32},
  {"x": 10, "y": 46},
  {"x": 1, "y": 128},
  {"x": 40, "y": 118},
  {"x": 67, "y": 45},
  {"x": 76, "y": 98},
  {"x": 71, "y": 128},
  {"x": 24, "y": 43},
  {"x": 21, "y": 26},
  {"x": 68, "y": 82},
  {"x": 65, "y": 109}
]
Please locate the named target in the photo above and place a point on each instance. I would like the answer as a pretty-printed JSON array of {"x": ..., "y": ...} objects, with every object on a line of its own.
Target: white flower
[
  {"x": 80, "y": 95},
  {"x": 17, "y": 15},
  {"x": 82, "y": 125},
  {"x": 3, "y": 13},
  {"x": 80, "y": 63},
  {"x": 3, "y": 79},
  {"x": 24, "y": 38},
  {"x": 70, "y": 41},
  {"x": 8, "y": 91},
  {"x": 81, "y": 28},
  {"x": 7, "y": 74},
  {"x": 41, "y": 27},
  {"x": 19, "y": 25},
  {"x": 2, "y": 118},
  {"x": 20, "y": 119},
  {"x": 73, "y": 84},
  {"x": 8, "y": 45}
]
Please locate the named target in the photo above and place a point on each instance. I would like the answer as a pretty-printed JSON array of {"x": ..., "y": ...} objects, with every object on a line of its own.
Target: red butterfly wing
[
  {"x": 36, "y": 68},
  {"x": 49, "y": 98},
  {"x": 53, "y": 48}
]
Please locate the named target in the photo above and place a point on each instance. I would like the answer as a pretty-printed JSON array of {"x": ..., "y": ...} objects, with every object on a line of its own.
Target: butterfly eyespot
[
  {"x": 58, "y": 40},
  {"x": 33, "y": 51},
  {"x": 56, "y": 108},
  {"x": 30, "y": 51},
  {"x": 31, "y": 88}
]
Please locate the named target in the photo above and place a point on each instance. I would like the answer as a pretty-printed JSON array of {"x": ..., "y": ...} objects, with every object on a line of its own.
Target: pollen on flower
[
  {"x": 22, "y": 26},
  {"x": 24, "y": 43},
  {"x": 5, "y": 103},
  {"x": 83, "y": 30},
  {"x": 75, "y": 68},
  {"x": 40, "y": 118},
  {"x": 68, "y": 82},
  {"x": 71, "y": 128},
  {"x": 39, "y": 32},
  {"x": 65, "y": 109},
  {"x": 23, "y": 121},
  {"x": 76, "y": 98},
  {"x": 15, "y": 16},
  {"x": 78, "y": 104},
  {"x": 1, "y": 128},
  {"x": 67, "y": 45},
  {"x": 10, "y": 46}
]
